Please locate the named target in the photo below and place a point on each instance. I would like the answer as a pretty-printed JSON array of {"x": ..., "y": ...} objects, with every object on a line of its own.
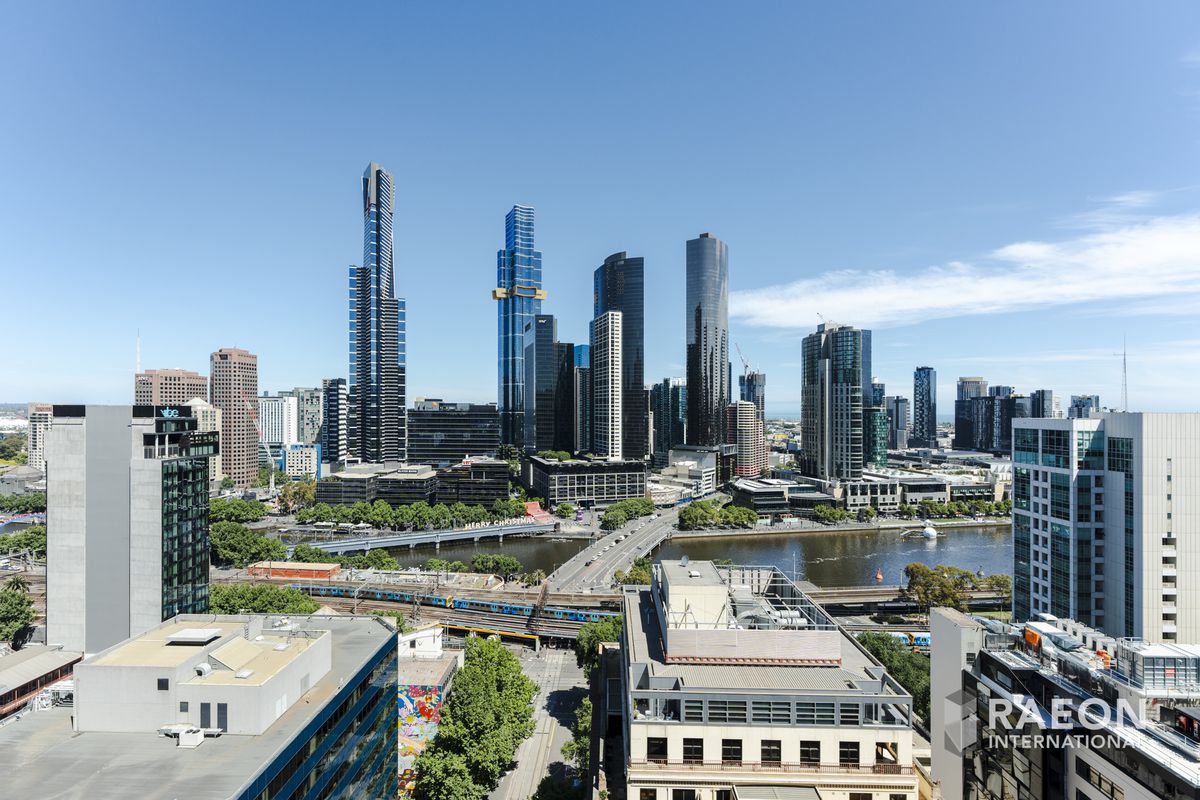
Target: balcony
[{"x": 783, "y": 767}]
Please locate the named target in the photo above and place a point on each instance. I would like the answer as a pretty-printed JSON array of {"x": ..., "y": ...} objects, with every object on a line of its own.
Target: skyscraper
[
  {"x": 1102, "y": 517},
  {"x": 875, "y": 436},
  {"x": 669, "y": 401},
  {"x": 234, "y": 389},
  {"x": 308, "y": 413},
  {"x": 583, "y": 398},
  {"x": 878, "y": 392},
  {"x": 619, "y": 286},
  {"x": 277, "y": 423},
  {"x": 549, "y": 416},
  {"x": 924, "y": 433},
  {"x": 744, "y": 428},
  {"x": 752, "y": 387},
  {"x": 706, "y": 333},
  {"x": 520, "y": 295},
  {"x": 41, "y": 417},
  {"x": 161, "y": 387},
  {"x": 376, "y": 418},
  {"x": 1045, "y": 404},
  {"x": 1082, "y": 405},
  {"x": 334, "y": 408},
  {"x": 898, "y": 422},
  {"x": 607, "y": 387},
  {"x": 127, "y": 498},
  {"x": 969, "y": 388},
  {"x": 831, "y": 413},
  {"x": 208, "y": 419}
]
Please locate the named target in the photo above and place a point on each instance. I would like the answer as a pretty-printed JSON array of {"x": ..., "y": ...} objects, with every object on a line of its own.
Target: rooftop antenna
[
  {"x": 138, "y": 357},
  {"x": 1124, "y": 375}
]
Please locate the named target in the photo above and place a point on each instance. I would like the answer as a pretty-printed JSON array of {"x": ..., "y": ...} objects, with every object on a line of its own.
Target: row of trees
[
  {"x": 237, "y": 546},
  {"x": 31, "y": 540},
  {"x": 707, "y": 514},
  {"x": 619, "y": 513},
  {"x": 258, "y": 598},
  {"x": 372, "y": 559},
  {"x": 416, "y": 516},
  {"x": 950, "y": 586},
  {"x": 22, "y": 503},
  {"x": 487, "y": 715},
  {"x": 933, "y": 509},
  {"x": 230, "y": 509},
  {"x": 909, "y": 668}
]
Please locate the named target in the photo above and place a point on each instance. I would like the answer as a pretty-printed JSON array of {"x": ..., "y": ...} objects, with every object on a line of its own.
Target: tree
[
  {"x": 227, "y": 483},
  {"x": 1003, "y": 584},
  {"x": 12, "y": 448},
  {"x": 534, "y": 578},
  {"x": 227, "y": 509},
  {"x": 23, "y": 503},
  {"x": 909, "y": 668},
  {"x": 738, "y": 517},
  {"x": 258, "y": 598},
  {"x": 564, "y": 510},
  {"x": 578, "y": 750},
  {"x": 495, "y": 563},
  {"x": 16, "y": 613},
  {"x": 239, "y": 546},
  {"x": 940, "y": 586},
  {"x": 297, "y": 494},
  {"x": 554, "y": 455},
  {"x": 17, "y": 583},
  {"x": 613, "y": 519},
  {"x": 309, "y": 554},
  {"x": 589, "y": 637},
  {"x": 638, "y": 574},
  {"x": 443, "y": 775},
  {"x": 32, "y": 540}
]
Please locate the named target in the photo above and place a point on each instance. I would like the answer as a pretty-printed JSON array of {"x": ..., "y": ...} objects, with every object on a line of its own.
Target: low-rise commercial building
[
  {"x": 209, "y": 707},
  {"x": 736, "y": 685},
  {"x": 475, "y": 481},
  {"x": 585, "y": 482},
  {"x": 301, "y": 461}
]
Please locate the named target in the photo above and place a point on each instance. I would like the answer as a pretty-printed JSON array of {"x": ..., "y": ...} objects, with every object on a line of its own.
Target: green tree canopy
[
  {"x": 22, "y": 503},
  {"x": 258, "y": 598},
  {"x": 495, "y": 563},
  {"x": 909, "y": 668},
  {"x": 591, "y": 634},
  {"x": 16, "y": 613},
  {"x": 238, "y": 546},
  {"x": 31, "y": 540},
  {"x": 227, "y": 509}
]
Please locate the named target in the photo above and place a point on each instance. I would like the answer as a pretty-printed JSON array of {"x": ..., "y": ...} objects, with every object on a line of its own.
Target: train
[
  {"x": 920, "y": 640},
  {"x": 386, "y": 594}
]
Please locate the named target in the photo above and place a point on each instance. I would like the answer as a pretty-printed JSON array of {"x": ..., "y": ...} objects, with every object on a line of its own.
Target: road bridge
[
  {"x": 890, "y": 596},
  {"x": 352, "y": 543},
  {"x": 591, "y": 569}
]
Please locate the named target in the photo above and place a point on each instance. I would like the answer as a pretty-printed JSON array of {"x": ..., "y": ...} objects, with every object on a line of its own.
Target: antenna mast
[
  {"x": 1124, "y": 354},
  {"x": 138, "y": 358}
]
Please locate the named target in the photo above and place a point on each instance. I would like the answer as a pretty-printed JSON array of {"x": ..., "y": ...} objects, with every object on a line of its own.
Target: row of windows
[{"x": 770, "y": 752}]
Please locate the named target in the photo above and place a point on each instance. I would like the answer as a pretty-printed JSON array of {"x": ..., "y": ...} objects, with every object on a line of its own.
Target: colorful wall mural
[{"x": 420, "y": 711}]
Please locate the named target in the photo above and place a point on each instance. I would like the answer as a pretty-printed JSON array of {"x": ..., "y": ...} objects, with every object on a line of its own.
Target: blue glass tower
[
  {"x": 519, "y": 293},
  {"x": 376, "y": 419}
]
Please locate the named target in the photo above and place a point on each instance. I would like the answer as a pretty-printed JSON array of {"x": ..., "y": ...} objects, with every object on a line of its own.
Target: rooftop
[{"x": 32, "y": 662}]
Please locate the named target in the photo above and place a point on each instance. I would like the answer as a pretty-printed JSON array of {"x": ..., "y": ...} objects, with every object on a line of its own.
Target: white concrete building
[
  {"x": 40, "y": 415},
  {"x": 606, "y": 385},
  {"x": 744, "y": 427},
  {"x": 208, "y": 418},
  {"x": 736, "y": 685},
  {"x": 302, "y": 461},
  {"x": 277, "y": 421}
]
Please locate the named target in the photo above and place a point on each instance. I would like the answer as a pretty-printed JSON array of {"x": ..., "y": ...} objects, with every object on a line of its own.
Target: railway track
[{"x": 467, "y": 619}]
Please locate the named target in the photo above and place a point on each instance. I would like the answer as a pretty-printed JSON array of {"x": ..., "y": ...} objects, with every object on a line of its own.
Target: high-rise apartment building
[
  {"x": 335, "y": 401},
  {"x": 162, "y": 387},
  {"x": 1082, "y": 405},
  {"x": 831, "y": 413},
  {"x": 309, "y": 413},
  {"x": 967, "y": 433},
  {"x": 607, "y": 386},
  {"x": 706, "y": 333},
  {"x": 752, "y": 387},
  {"x": 208, "y": 420},
  {"x": 40, "y": 417},
  {"x": 378, "y": 367},
  {"x": 441, "y": 433},
  {"x": 233, "y": 376},
  {"x": 1001, "y": 391},
  {"x": 127, "y": 500},
  {"x": 520, "y": 295},
  {"x": 277, "y": 422},
  {"x": 924, "y": 429},
  {"x": 875, "y": 436},
  {"x": 1102, "y": 514},
  {"x": 898, "y": 422},
  {"x": 744, "y": 427},
  {"x": 1045, "y": 404},
  {"x": 583, "y": 398},
  {"x": 867, "y": 368},
  {"x": 619, "y": 285},
  {"x": 668, "y": 398},
  {"x": 549, "y": 416},
  {"x": 878, "y": 395}
]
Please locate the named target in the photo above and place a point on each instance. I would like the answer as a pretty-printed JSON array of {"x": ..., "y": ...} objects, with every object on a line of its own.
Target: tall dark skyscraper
[
  {"x": 924, "y": 430},
  {"x": 376, "y": 421},
  {"x": 520, "y": 295},
  {"x": 669, "y": 401},
  {"x": 549, "y": 415},
  {"x": 831, "y": 411},
  {"x": 619, "y": 286},
  {"x": 752, "y": 387},
  {"x": 706, "y": 333},
  {"x": 334, "y": 402}
]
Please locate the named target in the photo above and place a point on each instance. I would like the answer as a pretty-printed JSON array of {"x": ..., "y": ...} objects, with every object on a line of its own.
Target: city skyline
[{"x": 946, "y": 264}]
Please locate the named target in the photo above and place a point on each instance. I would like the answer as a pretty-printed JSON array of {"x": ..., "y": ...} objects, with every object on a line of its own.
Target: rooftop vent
[
  {"x": 203, "y": 668},
  {"x": 245, "y": 673},
  {"x": 194, "y": 637},
  {"x": 281, "y": 646}
]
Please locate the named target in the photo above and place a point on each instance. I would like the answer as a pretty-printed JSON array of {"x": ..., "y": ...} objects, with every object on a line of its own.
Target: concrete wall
[
  {"x": 66, "y": 494},
  {"x": 145, "y": 542},
  {"x": 952, "y": 636}
]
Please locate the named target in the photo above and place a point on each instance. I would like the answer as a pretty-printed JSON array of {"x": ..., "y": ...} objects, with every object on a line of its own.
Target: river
[{"x": 826, "y": 559}]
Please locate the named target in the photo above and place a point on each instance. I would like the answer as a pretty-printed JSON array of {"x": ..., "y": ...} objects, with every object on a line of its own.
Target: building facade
[
  {"x": 1045, "y": 404},
  {"x": 127, "y": 500},
  {"x": 475, "y": 481},
  {"x": 898, "y": 422},
  {"x": 966, "y": 432},
  {"x": 166, "y": 387},
  {"x": 549, "y": 415},
  {"x": 208, "y": 419},
  {"x": 706, "y": 334},
  {"x": 442, "y": 433},
  {"x": 335, "y": 402},
  {"x": 619, "y": 286},
  {"x": 1102, "y": 508},
  {"x": 752, "y": 387},
  {"x": 582, "y": 380},
  {"x": 924, "y": 428},
  {"x": 585, "y": 482},
  {"x": 831, "y": 414},
  {"x": 744, "y": 427},
  {"x": 378, "y": 365},
  {"x": 40, "y": 417},
  {"x": 519, "y": 294},
  {"x": 875, "y": 437},
  {"x": 234, "y": 386},
  {"x": 309, "y": 413},
  {"x": 277, "y": 422},
  {"x": 301, "y": 460},
  {"x": 736, "y": 685},
  {"x": 1083, "y": 405},
  {"x": 668, "y": 401},
  {"x": 608, "y": 394}
]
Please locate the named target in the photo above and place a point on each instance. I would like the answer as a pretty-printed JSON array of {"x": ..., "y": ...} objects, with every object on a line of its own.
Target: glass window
[
  {"x": 656, "y": 749},
  {"x": 693, "y": 751},
  {"x": 731, "y": 751},
  {"x": 810, "y": 753},
  {"x": 772, "y": 751},
  {"x": 648, "y": 794},
  {"x": 848, "y": 754}
]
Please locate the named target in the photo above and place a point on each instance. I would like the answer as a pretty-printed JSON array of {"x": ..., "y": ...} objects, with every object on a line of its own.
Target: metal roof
[{"x": 31, "y": 663}]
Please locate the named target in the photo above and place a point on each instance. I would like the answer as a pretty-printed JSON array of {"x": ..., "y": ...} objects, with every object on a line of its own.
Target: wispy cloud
[
  {"x": 1157, "y": 257},
  {"x": 1191, "y": 57},
  {"x": 1115, "y": 211}
]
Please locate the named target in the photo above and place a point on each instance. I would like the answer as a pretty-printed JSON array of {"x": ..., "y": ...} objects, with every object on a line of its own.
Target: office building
[
  {"x": 1000, "y": 391},
  {"x": 474, "y": 482},
  {"x": 924, "y": 428},
  {"x": 965, "y": 437},
  {"x": 127, "y": 501},
  {"x": 40, "y": 417},
  {"x": 221, "y": 707},
  {"x": 867, "y": 367},
  {"x": 335, "y": 402},
  {"x": 875, "y": 437},
  {"x": 233, "y": 380},
  {"x": 831, "y": 413},
  {"x": 378, "y": 366},
  {"x": 878, "y": 394},
  {"x": 607, "y": 385},
  {"x": 582, "y": 391},
  {"x": 1102, "y": 514},
  {"x": 706, "y": 334},
  {"x": 442, "y": 433},
  {"x": 1005, "y": 410},
  {"x": 752, "y": 387},
  {"x": 1045, "y": 404},
  {"x": 744, "y": 427},
  {"x": 208, "y": 420},
  {"x": 1083, "y": 405},
  {"x": 619, "y": 286},
  {"x": 277, "y": 423},
  {"x": 301, "y": 460},
  {"x": 309, "y": 413},
  {"x": 395, "y": 484},
  {"x": 549, "y": 415},
  {"x": 736, "y": 685},
  {"x": 584, "y": 482},
  {"x": 668, "y": 399},
  {"x": 519, "y": 294},
  {"x": 1058, "y": 710},
  {"x": 168, "y": 387},
  {"x": 898, "y": 422}
]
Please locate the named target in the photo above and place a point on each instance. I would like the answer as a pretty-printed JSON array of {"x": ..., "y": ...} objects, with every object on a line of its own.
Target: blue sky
[{"x": 997, "y": 189}]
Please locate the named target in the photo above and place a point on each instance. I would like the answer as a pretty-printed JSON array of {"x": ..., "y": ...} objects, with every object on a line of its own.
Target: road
[
  {"x": 641, "y": 536},
  {"x": 562, "y": 688}
]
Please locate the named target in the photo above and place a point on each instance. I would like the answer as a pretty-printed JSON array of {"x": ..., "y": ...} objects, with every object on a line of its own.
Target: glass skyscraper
[
  {"x": 520, "y": 295},
  {"x": 619, "y": 285},
  {"x": 707, "y": 337},
  {"x": 831, "y": 411},
  {"x": 377, "y": 430},
  {"x": 924, "y": 432}
]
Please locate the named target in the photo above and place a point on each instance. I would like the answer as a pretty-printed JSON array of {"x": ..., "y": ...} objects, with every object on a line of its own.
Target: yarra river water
[{"x": 834, "y": 558}]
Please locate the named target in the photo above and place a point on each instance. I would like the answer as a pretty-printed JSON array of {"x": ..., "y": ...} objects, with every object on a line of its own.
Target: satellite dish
[{"x": 683, "y": 562}]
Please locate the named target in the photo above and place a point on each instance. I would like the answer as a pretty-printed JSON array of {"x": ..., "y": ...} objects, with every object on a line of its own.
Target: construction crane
[{"x": 746, "y": 368}]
